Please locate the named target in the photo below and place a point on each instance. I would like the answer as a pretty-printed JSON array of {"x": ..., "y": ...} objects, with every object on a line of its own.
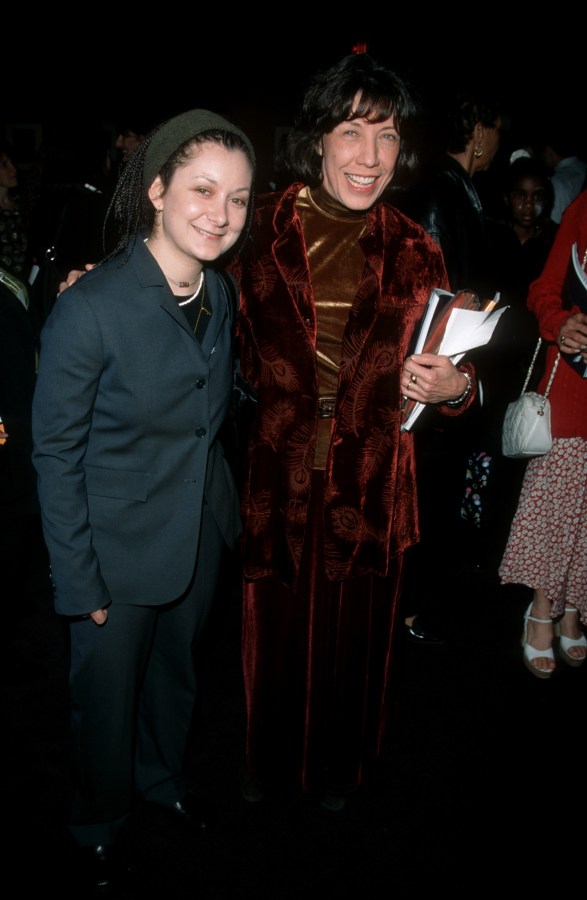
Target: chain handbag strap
[
  {"x": 531, "y": 366},
  {"x": 556, "y": 362},
  {"x": 550, "y": 380}
]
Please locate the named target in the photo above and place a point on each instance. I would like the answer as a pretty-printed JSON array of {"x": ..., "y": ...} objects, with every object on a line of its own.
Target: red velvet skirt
[{"x": 318, "y": 670}]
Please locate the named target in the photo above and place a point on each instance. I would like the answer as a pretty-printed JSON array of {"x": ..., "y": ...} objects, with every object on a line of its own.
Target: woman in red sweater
[{"x": 547, "y": 546}]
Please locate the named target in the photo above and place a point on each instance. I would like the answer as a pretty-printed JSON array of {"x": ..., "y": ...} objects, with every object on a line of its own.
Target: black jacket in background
[{"x": 448, "y": 207}]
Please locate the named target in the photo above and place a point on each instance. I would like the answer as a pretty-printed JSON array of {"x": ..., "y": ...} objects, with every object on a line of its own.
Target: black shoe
[
  {"x": 193, "y": 812},
  {"x": 101, "y": 871},
  {"x": 417, "y": 634},
  {"x": 249, "y": 789},
  {"x": 333, "y": 802}
]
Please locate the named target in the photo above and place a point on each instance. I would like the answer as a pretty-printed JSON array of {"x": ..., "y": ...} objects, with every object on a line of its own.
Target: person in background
[
  {"x": 137, "y": 499},
  {"x": 14, "y": 242},
  {"x": 527, "y": 198},
  {"x": 547, "y": 545},
  {"x": 23, "y": 555},
  {"x": 74, "y": 191},
  {"x": 522, "y": 238},
  {"x": 21, "y": 540},
  {"x": 464, "y": 131},
  {"x": 560, "y": 149},
  {"x": 463, "y": 124},
  {"x": 332, "y": 286},
  {"x": 521, "y": 241},
  {"x": 130, "y": 132}
]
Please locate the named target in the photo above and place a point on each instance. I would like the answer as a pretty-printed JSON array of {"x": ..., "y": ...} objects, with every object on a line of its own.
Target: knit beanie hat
[{"x": 175, "y": 132}]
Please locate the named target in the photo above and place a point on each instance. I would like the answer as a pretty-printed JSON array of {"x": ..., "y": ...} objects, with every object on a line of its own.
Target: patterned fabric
[
  {"x": 13, "y": 242},
  {"x": 547, "y": 546},
  {"x": 370, "y": 509},
  {"x": 477, "y": 480}
]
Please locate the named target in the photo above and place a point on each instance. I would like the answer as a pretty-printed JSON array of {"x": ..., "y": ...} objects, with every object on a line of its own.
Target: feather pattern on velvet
[
  {"x": 274, "y": 422},
  {"x": 374, "y": 452},
  {"x": 274, "y": 368},
  {"x": 259, "y": 511},
  {"x": 300, "y": 458},
  {"x": 378, "y": 362},
  {"x": 263, "y": 278}
]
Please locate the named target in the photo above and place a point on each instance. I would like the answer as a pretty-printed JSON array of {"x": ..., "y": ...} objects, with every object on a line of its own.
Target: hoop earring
[{"x": 478, "y": 152}]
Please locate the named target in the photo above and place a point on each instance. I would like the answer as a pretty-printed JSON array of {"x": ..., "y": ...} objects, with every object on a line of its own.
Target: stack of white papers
[{"x": 465, "y": 329}]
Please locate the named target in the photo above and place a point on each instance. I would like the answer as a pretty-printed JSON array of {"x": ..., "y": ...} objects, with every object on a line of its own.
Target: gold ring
[{"x": 414, "y": 378}]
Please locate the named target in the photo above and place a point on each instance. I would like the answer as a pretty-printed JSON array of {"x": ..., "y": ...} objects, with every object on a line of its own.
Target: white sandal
[
  {"x": 530, "y": 652},
  {"x": 565, "y": 643}
]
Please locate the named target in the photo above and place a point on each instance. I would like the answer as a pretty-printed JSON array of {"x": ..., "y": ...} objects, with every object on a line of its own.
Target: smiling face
[
  {"x": 203, "y": 210},
  {"x": 358, "y": 161}
]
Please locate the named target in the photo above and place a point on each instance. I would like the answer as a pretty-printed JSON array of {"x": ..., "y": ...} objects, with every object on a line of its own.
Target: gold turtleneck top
[{"x": 331, "y": 233}]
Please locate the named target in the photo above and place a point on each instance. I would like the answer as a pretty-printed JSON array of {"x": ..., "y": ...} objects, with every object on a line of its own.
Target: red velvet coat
[{"x": 370, "y": 508}]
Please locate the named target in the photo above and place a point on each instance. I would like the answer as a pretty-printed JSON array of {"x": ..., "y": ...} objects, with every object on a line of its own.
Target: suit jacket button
[
  {"x": 200, "y": 432},
  {"x": 200, "y": 383}
]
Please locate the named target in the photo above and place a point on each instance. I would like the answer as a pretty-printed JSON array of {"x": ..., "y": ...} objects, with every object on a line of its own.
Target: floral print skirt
[{"x": 547, "y": 544}]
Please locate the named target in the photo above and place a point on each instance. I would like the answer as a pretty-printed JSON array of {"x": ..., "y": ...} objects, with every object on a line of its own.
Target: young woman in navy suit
[{"x": 137, "y": 499}]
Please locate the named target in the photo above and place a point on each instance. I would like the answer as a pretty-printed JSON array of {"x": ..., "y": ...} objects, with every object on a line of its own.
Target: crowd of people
[{"x": 338, "y": 513}]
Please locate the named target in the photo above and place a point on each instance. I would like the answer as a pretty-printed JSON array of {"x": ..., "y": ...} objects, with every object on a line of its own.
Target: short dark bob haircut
[
  {"x": 331, "y": 99},
  {"x": 465, "y": 110}
]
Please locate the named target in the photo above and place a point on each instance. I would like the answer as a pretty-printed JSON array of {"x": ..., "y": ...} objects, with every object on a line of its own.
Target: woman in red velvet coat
[{"x": 331, "y": 291}]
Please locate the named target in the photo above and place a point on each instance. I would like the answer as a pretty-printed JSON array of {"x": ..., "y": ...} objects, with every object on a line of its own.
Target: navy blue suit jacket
[{"x": 126, "y": 412}]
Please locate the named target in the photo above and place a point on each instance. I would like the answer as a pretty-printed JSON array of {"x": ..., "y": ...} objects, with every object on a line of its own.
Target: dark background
[{"x": 60, "y": 72}]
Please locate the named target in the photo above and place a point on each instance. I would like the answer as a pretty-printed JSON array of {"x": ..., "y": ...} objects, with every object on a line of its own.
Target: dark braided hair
[{"x": 129, "y": 207}]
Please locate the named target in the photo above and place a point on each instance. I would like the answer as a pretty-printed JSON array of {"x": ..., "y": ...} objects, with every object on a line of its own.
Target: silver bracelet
[{"x": 465, "y": 393}]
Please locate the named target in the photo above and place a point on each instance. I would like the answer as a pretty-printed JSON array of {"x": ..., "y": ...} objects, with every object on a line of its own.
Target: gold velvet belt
[{"x": 326, "y": 407}]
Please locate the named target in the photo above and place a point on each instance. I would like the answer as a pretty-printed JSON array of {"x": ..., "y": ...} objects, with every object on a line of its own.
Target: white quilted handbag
[{"x": 526, "y": 425}]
